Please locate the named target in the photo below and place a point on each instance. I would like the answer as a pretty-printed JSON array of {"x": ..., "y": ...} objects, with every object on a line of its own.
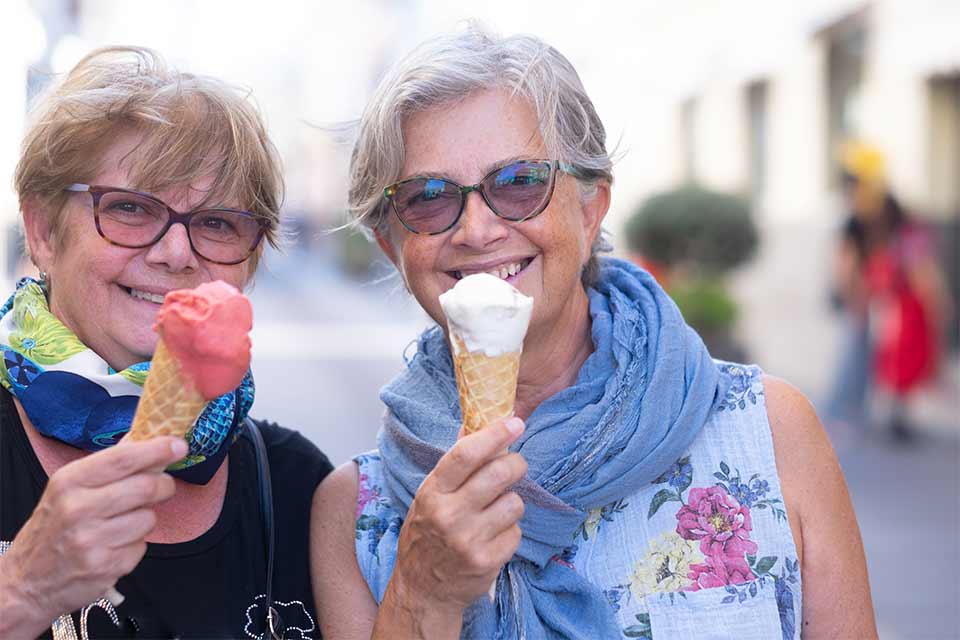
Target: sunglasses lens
[
  {"x": 519, "y": 190},
  {"x": 427, "y": 205}
]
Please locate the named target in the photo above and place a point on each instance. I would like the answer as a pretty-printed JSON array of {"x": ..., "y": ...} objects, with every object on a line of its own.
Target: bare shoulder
[
  {"x": 344, "y": 604},
  {"x": 806, "y": 463},
  {"x": 798, "y": 435},
  {"x": 836, "y": 590},
  {"x": 338, "y": 491},
  {"x": 334, "y": 504}
]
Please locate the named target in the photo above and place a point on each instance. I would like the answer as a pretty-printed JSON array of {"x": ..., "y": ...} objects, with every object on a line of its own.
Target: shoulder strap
[{"x": 273, "y": 623}]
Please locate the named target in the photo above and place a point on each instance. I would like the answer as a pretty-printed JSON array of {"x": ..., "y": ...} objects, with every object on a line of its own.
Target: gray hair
[{"x": 447, "y": 69}]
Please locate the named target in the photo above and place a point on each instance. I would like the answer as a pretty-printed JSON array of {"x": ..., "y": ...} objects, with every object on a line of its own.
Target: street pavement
[{"x": 325, "y": 343}]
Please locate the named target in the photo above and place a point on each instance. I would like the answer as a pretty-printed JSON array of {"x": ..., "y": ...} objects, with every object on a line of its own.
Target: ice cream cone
[
  {"x": 170, "y": 404},
  {"x": 487, "y": 385}
]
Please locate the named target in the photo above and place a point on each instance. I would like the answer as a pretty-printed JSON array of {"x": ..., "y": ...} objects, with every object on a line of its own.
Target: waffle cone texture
[
  {"x": 170, "y": 404},
  {"x": 487, "y": 385}
]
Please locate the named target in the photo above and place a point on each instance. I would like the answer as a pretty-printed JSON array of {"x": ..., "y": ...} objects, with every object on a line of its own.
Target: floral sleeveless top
[{"x": 705, "y": 551}]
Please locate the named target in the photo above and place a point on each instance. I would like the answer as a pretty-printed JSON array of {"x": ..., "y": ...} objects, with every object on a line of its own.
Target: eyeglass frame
[
  {"x": 173, "y": 217},
  {"x": 465, "y": 190}
]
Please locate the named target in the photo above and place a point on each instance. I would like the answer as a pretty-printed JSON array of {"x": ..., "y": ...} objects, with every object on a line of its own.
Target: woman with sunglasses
[
  {"x": 134, "y": 180},
  {"x": 651, "y": 492}
]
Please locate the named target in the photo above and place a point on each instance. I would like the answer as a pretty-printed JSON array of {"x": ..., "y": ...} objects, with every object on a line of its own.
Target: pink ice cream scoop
[{"x": 207, "y": 330}]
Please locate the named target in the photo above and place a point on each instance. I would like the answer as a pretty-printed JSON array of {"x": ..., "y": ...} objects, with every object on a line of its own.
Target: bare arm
[
  {"x": 836, "y": 590},
  {"x": 345, "y": 606},
  {"x": 458, "y": 533}
]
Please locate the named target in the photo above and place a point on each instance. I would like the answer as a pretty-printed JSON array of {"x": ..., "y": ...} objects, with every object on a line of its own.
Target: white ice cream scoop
[{"x": 488, "y": 314}]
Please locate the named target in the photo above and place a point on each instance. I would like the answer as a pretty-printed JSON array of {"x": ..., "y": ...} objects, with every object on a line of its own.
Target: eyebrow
[{"x": 493, "y": 166}]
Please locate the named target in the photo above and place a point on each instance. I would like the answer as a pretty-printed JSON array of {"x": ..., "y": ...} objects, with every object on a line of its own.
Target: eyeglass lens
[
  {"x": 514, "y": 192},
  {"x": 134, "y": 220}
]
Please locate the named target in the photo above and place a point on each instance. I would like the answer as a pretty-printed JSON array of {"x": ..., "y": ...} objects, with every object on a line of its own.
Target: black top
[{"x": 212, "y": 586}]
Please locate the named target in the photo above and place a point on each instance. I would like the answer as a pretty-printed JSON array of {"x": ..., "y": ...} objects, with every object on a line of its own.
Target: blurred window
[
  {"x": 757, "y": 115},
  {"x": 944, "y": 137},
  {"x": 688, "y": 142},
  {"x": 846, "y": 46}
]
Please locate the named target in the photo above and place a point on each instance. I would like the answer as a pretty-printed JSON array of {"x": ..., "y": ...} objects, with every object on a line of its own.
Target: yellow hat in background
[
  {"x": 867, "y": 164},
  {"x": 864, "y": 161}
]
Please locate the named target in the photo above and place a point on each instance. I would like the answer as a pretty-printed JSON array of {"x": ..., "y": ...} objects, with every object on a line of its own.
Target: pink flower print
[
  {"x": 718, "y": 521},
  {"x": 365, "y": 493},
  {"x": 719, "y": 571}
]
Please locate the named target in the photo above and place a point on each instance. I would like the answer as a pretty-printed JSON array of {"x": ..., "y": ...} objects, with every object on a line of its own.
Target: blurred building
[
  {"x": 23, "y": 41},
  {"x": 773, "y": 95}
]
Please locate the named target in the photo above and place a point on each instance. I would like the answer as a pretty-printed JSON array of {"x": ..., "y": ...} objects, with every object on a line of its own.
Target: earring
[{"x": 43, "y": 277}]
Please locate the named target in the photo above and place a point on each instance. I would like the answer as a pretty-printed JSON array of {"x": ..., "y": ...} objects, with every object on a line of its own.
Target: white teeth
[
  {"x": 505, "y": 271},
  {"x": 149, "y": 297}
]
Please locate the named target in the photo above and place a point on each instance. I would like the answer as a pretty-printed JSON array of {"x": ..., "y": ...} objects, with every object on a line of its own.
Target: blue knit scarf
[{"x": 638, "y": 402}]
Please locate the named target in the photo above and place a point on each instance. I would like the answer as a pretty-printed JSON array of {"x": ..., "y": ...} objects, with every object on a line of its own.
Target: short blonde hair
[
  {"x": 191, "y": 127},
  {"x": 449, "y": 68}
]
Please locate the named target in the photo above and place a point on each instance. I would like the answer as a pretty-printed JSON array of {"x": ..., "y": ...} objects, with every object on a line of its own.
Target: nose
[
  {"x": 478, "y": 227},
  {"x": 173, "y": 251}
]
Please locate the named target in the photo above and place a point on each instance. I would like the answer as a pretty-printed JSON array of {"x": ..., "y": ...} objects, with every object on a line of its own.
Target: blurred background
[{"x": 736, "y": 185}]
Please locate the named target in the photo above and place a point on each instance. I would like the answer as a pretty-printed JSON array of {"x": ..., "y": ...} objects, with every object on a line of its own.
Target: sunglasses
[
  {"x": 135, "y": 220},
  {"x": 518, "y": 191}
]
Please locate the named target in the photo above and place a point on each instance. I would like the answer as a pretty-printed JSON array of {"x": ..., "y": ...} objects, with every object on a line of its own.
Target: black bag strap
[{"x": 273, "y": 626}]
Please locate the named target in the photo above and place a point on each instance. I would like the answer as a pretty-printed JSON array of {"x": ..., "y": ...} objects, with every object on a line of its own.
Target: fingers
[
  {"x": 503, "y": 547},
  {"x": 503, "y": 514},
  {"x": 473, "y": 451},
  {"x": 119, "y": 462},
  {"x": 127, "y": 558},
  {"x": 141, "y": 490},
  {"x": 492, "y": 479},
  {"x": 128, "y": 528}
]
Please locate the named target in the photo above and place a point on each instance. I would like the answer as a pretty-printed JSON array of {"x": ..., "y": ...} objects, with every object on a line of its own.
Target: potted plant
[{"x": 690, "y": 238}]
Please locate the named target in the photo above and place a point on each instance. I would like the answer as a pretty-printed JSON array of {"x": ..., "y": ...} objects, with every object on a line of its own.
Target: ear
[
  {"x": 39, "y": 233},
  {"x": 595, "y": 210}
]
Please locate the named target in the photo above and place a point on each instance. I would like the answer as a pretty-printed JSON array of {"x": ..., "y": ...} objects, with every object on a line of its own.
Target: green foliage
[
  {"x": 705, "y": 304},
  {"x": 691, "y": 226}
]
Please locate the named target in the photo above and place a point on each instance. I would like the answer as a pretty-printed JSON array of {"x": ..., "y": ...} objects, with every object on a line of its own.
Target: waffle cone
[
  {"x": 487, "y": 385},
  {"x": 169, "y": 405}
]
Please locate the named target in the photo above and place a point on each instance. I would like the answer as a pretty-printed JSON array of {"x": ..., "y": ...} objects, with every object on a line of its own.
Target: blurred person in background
[
  {"x": 134, "y": 180},
  {"x": 652, "y": 492},
  {"x": 893, "y": 294}
]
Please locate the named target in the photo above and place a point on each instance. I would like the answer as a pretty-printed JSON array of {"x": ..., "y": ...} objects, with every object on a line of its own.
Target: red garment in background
[{"x": 905, "y": 342}]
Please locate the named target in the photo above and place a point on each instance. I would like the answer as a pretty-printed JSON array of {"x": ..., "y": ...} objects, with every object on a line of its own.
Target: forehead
[
  {"x": 463, "y": 140},
  {"x": 127, "y": 165}
]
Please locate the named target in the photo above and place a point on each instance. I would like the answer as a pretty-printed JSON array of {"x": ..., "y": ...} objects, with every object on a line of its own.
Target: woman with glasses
[
  {"x": 643, "y": 490},
  {"x": 134, "y": 180}
]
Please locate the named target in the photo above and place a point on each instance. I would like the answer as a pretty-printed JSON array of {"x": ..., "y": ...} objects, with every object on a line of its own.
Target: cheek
[{"x": 236, "y": 275}]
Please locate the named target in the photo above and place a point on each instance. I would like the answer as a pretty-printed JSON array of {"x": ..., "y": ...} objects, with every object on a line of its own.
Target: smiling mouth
[
  {"x": 143, "y": 295},
  {"x": 504, "y": 271}
]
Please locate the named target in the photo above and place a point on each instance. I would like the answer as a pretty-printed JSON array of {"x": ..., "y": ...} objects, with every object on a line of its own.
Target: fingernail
[
  {"x": 515, "y": 426},
  {"x": 179, "y": 448}
]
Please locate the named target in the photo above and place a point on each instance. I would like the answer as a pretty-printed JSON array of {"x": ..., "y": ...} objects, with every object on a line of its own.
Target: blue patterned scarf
[
  {"x": 70, "y": 393},
  {"x": 638, "y": 402}
]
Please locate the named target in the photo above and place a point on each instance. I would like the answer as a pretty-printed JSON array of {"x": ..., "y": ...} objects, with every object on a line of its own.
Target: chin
[{"x": 142, "y": 348}]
